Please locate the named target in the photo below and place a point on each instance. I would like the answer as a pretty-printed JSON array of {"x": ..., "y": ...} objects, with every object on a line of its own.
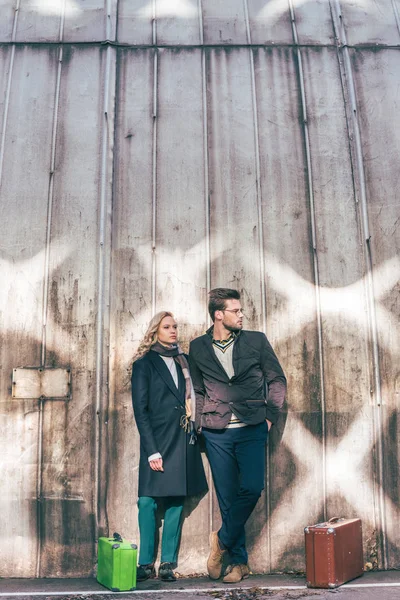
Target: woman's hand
[
  {"x": 269, "y": 424},
  {"x": 156, "y": 464}
]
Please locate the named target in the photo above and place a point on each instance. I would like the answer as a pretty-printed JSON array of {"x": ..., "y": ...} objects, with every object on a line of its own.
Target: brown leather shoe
[
  {"x": 214, "y": 562},
  {"x": 235, "y": 573}
]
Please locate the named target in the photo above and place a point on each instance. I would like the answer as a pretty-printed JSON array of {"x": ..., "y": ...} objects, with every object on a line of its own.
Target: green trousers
[{"x": 171, "y": 530}]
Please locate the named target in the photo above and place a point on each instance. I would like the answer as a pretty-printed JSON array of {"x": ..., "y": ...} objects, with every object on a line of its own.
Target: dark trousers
[{"x": 237, "y": 460}]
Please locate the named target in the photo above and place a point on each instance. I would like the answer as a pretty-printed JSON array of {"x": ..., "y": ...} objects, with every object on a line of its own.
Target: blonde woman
[{"x": 170, "y": 463}]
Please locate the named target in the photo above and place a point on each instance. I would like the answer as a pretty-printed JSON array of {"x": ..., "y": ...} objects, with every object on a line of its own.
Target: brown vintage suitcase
[{"x": 334, "y": 552}]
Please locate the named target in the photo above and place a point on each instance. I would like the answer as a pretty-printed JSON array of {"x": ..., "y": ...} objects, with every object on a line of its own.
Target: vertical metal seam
[
  {"x": 8, "y": 91},
  {"x": 154, "y": 159},
  {"x": 111, "y": 363},
  {"x": 258, "y": 173},
  {"x": 116, "y": 23},
  {"x": 205, "y": 152},
  {"x": 46, "y": 276},
  {"x": 154, "y": 186},
  {"x": 39, "y": 487},
  {"x": 109, "y": 177},
  {"x": 247, "y": 21},
  {"x": 201, "y": 24},
  {"x": 396, "y": 14},
  {"x": 378, "y": 433},
  {"x": 101, "y": 366},
  {"x": 261, "y": 252},
  {"x": 101, "y": 283},
  {"x": 62, "y": 23},
  {"x": 108, "y": 20},
  {"x": 154, "y": 23},
  {"x": 50, "y": 196},
  {"x": 41, "y": 401},
  {"x": 207, "y": 216},
  {"x": 16, "y": 14},
  {"x": 315, "y": 253}
]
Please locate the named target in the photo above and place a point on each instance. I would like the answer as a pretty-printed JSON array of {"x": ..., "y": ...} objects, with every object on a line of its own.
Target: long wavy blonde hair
[{"x": 150, "y": 337}]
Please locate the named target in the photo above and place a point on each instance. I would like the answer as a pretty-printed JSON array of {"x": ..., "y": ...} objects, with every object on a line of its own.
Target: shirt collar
[{"x": 210, "y": 332}]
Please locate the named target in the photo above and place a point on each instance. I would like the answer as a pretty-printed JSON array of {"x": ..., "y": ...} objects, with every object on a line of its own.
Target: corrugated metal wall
[{"x": 151, "y": 150}]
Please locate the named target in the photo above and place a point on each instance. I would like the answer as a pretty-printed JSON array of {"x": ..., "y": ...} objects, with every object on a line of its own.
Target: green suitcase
[{"x": 116, "y": 564}]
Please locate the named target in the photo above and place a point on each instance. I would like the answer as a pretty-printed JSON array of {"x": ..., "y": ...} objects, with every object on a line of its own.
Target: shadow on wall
[
  {"x": 67, "y": 537},
  {"x": 50, "y": 503},
  {"x": 296, "y": 446}
]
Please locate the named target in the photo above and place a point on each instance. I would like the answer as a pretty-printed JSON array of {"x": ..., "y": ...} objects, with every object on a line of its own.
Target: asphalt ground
[{"x": 375, "y": 585}]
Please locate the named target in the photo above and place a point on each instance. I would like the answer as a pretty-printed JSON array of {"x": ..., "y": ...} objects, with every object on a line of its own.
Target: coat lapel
[{"x": 163, "y": 371}]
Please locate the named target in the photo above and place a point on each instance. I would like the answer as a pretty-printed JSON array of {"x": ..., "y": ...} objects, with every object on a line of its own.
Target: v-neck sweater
[{"x": 225, "y": 357}]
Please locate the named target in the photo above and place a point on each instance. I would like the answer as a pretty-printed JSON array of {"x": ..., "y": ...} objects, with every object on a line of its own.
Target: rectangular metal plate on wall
[{"x": 37, "y": 382}]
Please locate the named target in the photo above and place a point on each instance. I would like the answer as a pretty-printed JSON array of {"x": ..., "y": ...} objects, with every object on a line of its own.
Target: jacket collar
[{"x": 210, "y": 332}]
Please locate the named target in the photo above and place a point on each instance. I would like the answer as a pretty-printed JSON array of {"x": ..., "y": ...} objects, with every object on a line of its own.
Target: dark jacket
[
  {"x": 158, "y": 406},
  {"x": 256, "y": 392}
]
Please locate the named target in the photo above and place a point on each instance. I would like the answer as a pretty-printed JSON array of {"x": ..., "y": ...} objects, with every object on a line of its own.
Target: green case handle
[{"x": 117, "y": 537}]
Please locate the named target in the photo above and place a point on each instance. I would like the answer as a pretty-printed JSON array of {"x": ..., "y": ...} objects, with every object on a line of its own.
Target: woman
[{"x": 170, "y": 463}]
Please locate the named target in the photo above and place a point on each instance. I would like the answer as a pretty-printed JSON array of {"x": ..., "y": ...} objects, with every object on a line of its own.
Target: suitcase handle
[
  {"x": 335, "y": 519},
  {"x": 117, "y": 537}
]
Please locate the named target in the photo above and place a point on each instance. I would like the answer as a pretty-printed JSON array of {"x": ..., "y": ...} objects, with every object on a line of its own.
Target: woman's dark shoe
[
  {"x": 166, "y": 573},
  {"x": 145, "y": 572}
]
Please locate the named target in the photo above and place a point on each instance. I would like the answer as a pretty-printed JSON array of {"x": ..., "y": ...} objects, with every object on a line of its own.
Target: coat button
[{"x": 229, "y": 384}]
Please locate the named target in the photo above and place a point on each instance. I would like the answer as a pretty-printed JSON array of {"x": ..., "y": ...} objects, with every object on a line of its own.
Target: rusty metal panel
[
  {"x": 87, "y": 21},
  {"x": 177, "y": 22},
  {"x": 231, "y": 167},
  {"x": 224, "y": 22},
  {"x": 269, "y": 22},
  {"x": 370, "y": 22},
  {"x": 180, "y": 232},
  {"x": 171, "y": 277},
  {"x": 40, "y": 20},
  {"x": 349, "y": 422},
  {"x": 289, "y": 280},
  {"x": 71, "y": 20},
  {"x": 31, "y": 78},
  {"x": 135, "y": 22},
  {"x": 180, "y": 206},
  {"x": 377, "y": 80},
  {"x": 131, "y": 301},
  {"x": 69, "y": 433},
  {"x": 7, "y": 12},
  {"x": 5, "y": 63},
  {"x": 234, "y": 209},
  {"x": 67, "y": 530},
  {"x": 233, "y": 197},
  {"x": 29, "y": 84},
  {"x": 34, "y": 382},
  {"x": 313, "y": 22},
  {"x": 19, "y": 426}
]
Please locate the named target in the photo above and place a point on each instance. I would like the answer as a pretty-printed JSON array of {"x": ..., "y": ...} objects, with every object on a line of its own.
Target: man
[{"x": 240, "y": 389}]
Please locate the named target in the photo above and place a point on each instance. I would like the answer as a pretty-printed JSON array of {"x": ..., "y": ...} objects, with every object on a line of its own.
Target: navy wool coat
[{"x": 158, "y": 406}]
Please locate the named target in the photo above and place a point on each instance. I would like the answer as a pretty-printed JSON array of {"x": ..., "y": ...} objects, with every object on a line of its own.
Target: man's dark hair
[{"x": 218, "y": 297}]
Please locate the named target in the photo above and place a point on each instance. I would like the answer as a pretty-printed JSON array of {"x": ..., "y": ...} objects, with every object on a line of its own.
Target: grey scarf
[{"x": 187, "y": 420}]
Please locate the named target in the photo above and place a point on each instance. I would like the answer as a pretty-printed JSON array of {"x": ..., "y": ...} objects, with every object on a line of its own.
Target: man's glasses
[{"x": 237, "y": 311}]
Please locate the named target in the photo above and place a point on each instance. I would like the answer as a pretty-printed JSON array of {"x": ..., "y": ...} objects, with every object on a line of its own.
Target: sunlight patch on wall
[
  {"x": 170, "y": 8},
  {"x": 55, "y": 7},
  {"x": 348, "y": 476}
]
